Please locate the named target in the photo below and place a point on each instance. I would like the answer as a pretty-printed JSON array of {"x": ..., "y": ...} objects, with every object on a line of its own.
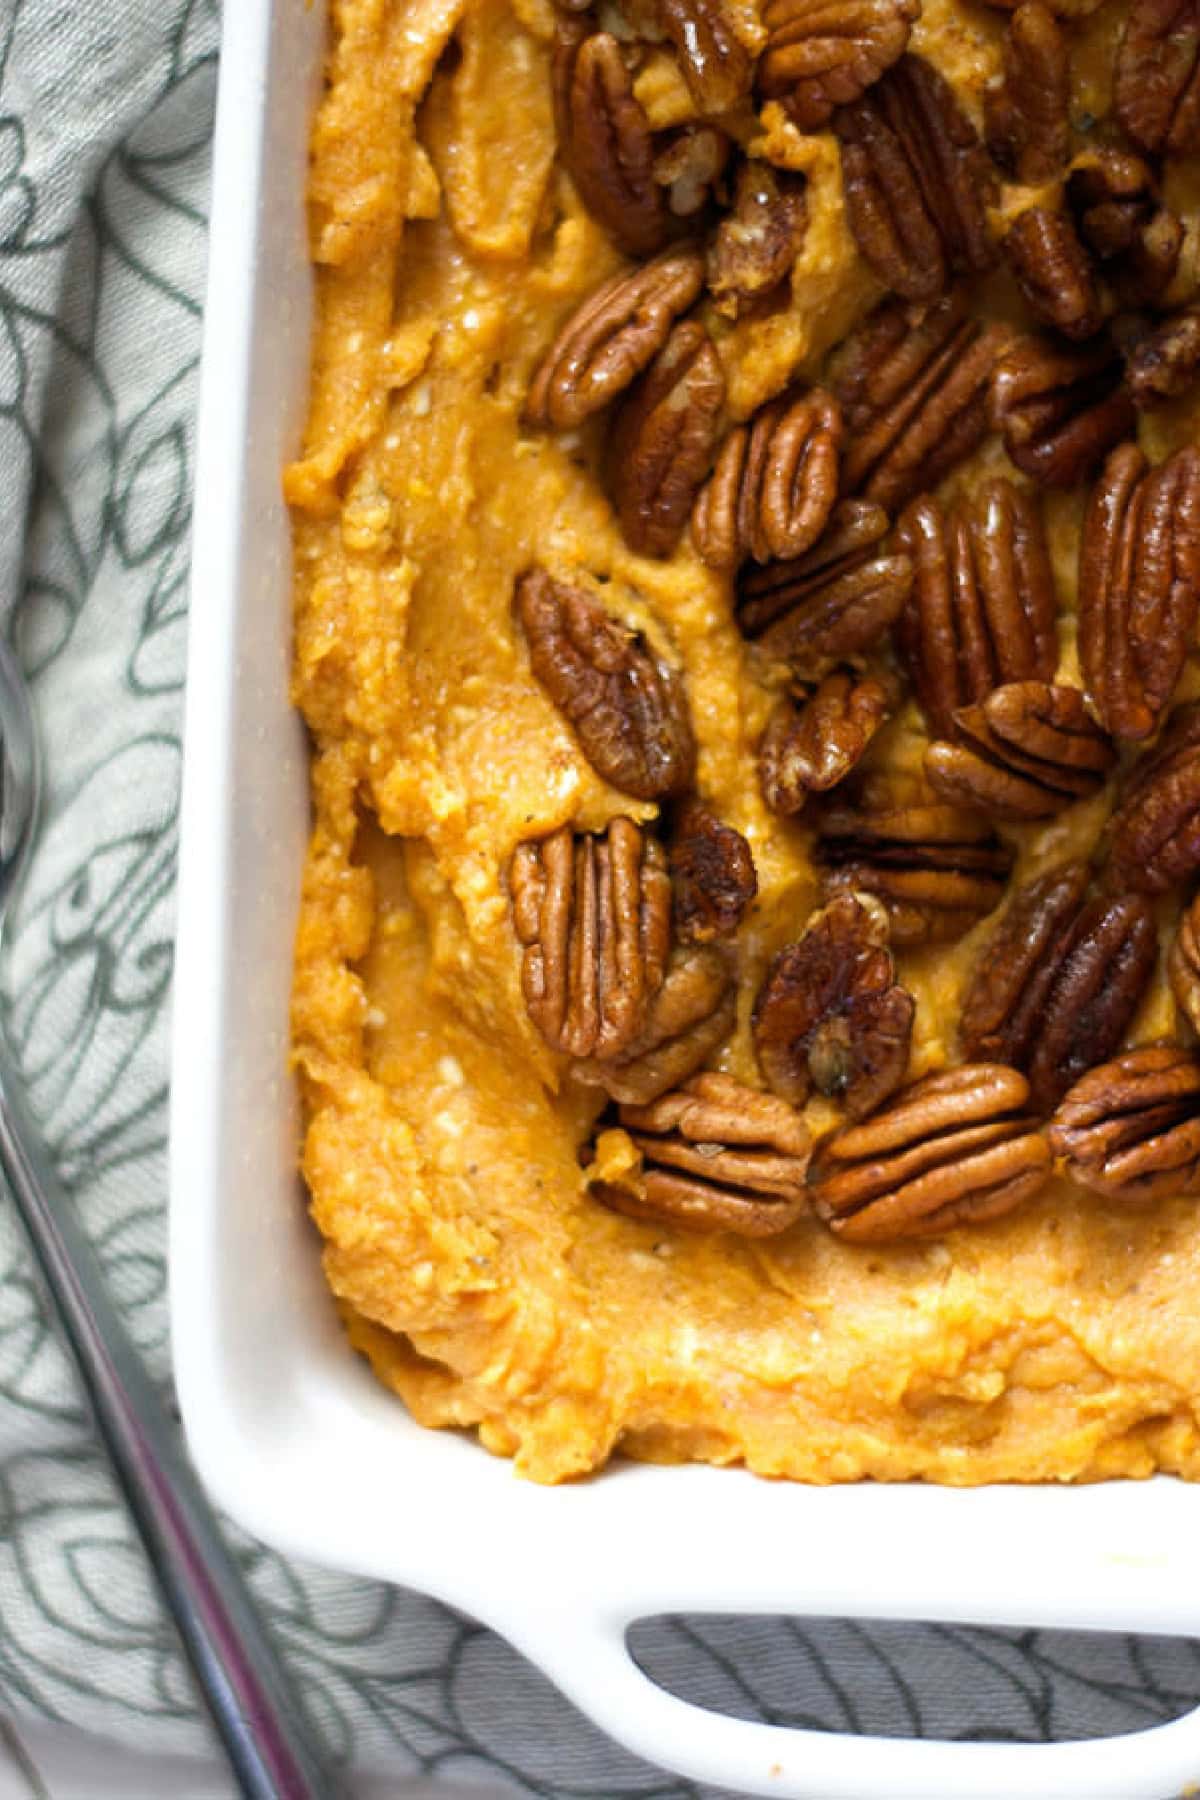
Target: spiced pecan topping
[
  {"x": 689, "y": 165},
  {"x": 1130, "y": 1131},
  {"x": 1100, "y": 976},
  {"x": 757, "y": 242},
  {"x": 1003, "y": 1009},
  {"x": 1026, "y": 121},
  {"x": 1139, "y": 585},
  {"x": 1156, "y": 85},
  {"x": 1183, "y": 963},
  {"x": 1154, "y": 835},
  {"x": 712, "y": 58},
  {"x": 604, "y": 138},
  {"x": 830, "y": 1013},
  {"x": 626, "y": 706},
  {"x": 594, "y": 915},
  {"x": 712, "y": 875},
  {"x": 774, "y": 485},
  {"x": 982, "y": 608},
  {"x": 1054, "y": 272},
  {"x": 611, "y": 338},
  {"x": 836, "y": 601},
  {"x": 938, "y": 869},
  {"x": 952, "y": 1149},
  {"x": 913, "y": 385},
  {"x": 814, "y": 740},
  {"x": 663, "y": 440},
  {"x": 688, "y": 1017},
  {"x": 715, "y": 1156},
  {"x": 1059, "y": 409},
  {"x": 1119, "y": 214},
  {"x": 917, "y": 181},
  {"x": 1027, "y": 751},
  {"x": 1165, "y": 364},
  {"x": 821, "y": 54}
]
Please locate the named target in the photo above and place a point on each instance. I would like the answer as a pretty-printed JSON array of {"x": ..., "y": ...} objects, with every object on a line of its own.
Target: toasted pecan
[
  {"x": 1156, "y": 84},
  {"x": 814, "y": 739},
  {"x": 712, "y": 875},
  {"x": 604, "y": 138},
  {"x": 1130, "y": 1130},
  {"x": 821, "y": 54},
  {"x": 1060, "y": 408},
  {"x": 759, "y": 239},
  {"x": 1026, "y": 122},
  {"x": 1025, "y": 752},
  {"x": 774, "y": 485},
  {"x": 663, "y": 439},
  {"x": 952, "y": 1149}
]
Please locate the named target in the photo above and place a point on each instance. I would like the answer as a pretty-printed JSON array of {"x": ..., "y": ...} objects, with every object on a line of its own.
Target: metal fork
[{"x": 257, "y": 1717}]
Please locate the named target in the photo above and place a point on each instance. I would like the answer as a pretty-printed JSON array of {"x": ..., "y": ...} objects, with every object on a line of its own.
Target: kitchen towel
[{"x": 105, "y": 125}]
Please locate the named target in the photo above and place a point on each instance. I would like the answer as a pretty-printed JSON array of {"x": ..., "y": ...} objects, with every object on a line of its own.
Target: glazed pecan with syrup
[
  {"x": 913, "y": 386},
  {"x": 1166, "y": 363},
  {"x": 1154, "y": 835},
  {"x": 1057, "y": 985},
  {"x": 830, "y": 1014},
  {"x": 1130, "y": 1131},
  {"x": 1025, "y": 752},
  {"x": 953, "y": 1149},
  {"x": 774, "y": 485},
  {"x": 821, "y": 54},
  {"x": 714, "y": 1155},
  {"x": 1054, "y": 272},
  {"x": 1026, "y": 121},
  {"x": 938, "y": 869},
  {"x": 663, "y": 439},
  {"x": 610, "y": 339},
  {"x": 604, "y": 138},
  {"x": 981, "y": 611},
  {"x": 917, "y": 181},
  {"x": 759, "y": 239},
  {"x": 626, "y": 706},
  {"x": 712, "y": 58},
  {"x": 837, "y": 601},
  {"x": 1139, "y": 585},
  {"x": 1183, "y": 963},
  {"x": 1156, "y": 90},
  {"x": 594, "y": 916},
  {"x": 813, "y": 740},
  {"x": 1059, "y": 408},
  {"x": 712, "y": 875},
  {"x": 687, "y": 1019},
  {"x": 1136, "y": 240}
]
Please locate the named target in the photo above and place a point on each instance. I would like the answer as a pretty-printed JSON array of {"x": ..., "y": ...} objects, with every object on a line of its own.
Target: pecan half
[
  {"x": 1156, "y": 86},
  {"x": 1154, "y": 835},
  {"x": 1054, "y": 272},
  {"x": 1183, "y": 963},
  {"x": 809, "y": 747},
  {"x": 830, "y": 1013},
  {"x": 1139, "y": 585},
  {"x": 1003, "y": 1009},
  {"x": 821, "y": 54},
  {"x": 1165, "y": 364},
  {"x": 604, "y": 137},
  {"x": 1059, "y": 409},
  {"x": 913, "y": 385},
  {"x": 916, "y": 180},
  {"x": 689, "y": 1017},
  {"x": 625, "y": 705},
  {"x": 1099, "y": 979},
  {"x": 611, "y": 338},
  {"x": 775, "y": 483},
  {"x": 952, "y": 1149},
  {"x": 1115, "y": 202},
  {"x": 712, "y": 875},
  {"x": 982, "y": 608},
  {"x": 758, "y": 241},
  {"x": 663, "y": 440},
  {"x": 1026, "y": 122},
  {"x": 938, "y": 869},
  {"x": 689, "y": 164},
  {"x": 836, "y": 601},
  {"x": 712, "y": 58},
  {"x": 1131, "y": 1130},
  {"x": 594, "y": 915},
  {"x": 715, "y": 1156},
  {"x": 1027, "y": 751}
]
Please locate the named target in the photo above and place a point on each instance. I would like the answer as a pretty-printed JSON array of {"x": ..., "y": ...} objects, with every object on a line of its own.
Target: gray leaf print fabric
[{"x": 105, "y": 122}]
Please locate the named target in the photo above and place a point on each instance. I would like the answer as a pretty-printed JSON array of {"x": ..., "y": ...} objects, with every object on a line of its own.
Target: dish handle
[{"x": 589, "y": 1659}]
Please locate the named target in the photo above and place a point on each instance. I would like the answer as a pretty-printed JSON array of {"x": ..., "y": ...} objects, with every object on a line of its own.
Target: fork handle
[{"x": 255, "y": 1713}]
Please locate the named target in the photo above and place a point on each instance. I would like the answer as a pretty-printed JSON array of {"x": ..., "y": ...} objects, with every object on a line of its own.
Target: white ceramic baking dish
[{"x": 292, "y": 1435}]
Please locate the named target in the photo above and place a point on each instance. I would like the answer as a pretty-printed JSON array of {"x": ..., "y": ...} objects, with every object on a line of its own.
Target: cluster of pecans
[{"x": 853, "y": 579}]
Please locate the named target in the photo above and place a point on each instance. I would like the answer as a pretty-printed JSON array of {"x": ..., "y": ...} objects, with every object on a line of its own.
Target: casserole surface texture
[{"x": 443, "y": 1135}]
